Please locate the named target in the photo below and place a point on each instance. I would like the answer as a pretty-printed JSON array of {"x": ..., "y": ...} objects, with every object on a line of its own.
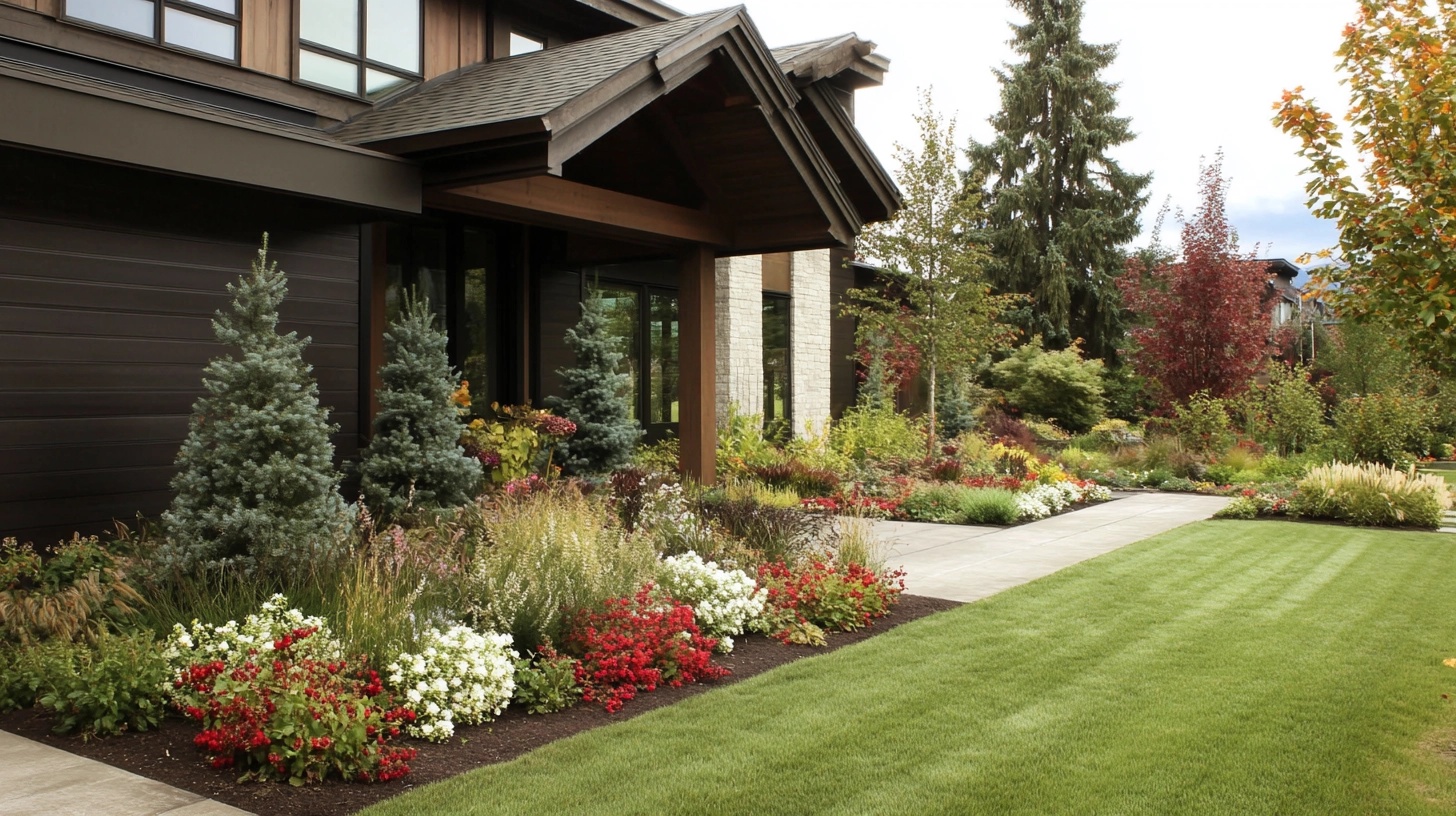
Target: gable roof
[
  {"x": 845, "y": 56},
  {"x": 535, "y": 85}
]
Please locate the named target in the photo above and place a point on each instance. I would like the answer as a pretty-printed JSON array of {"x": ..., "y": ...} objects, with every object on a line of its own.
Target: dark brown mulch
[{"x": 169, "y": 756}]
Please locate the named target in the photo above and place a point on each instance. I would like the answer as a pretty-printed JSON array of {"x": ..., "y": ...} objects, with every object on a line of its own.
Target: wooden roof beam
[{"x": 555, "y": 202}]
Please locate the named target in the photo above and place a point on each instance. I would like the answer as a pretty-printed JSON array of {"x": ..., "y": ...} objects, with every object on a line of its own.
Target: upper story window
[
  {"x": 361, "y": 47},
  {"x": 526, "y": 43},
  {"x": 205, "y": 26}
]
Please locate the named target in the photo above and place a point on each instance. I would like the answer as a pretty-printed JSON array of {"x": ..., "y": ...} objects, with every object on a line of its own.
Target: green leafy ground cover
[{"x": 1226, "y": 667}]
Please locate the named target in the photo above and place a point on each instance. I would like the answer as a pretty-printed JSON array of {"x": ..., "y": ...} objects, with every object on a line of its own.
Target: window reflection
[
  {"x": 201, "y": 34},
  {"x": 133, "y": 16},
  {"x": 476, "y": 346},
  {"x": 415, "y": 262},
  {"x": 383, "y": 56},
  {"x": 664, "y": 368},
  {"x": 525, "y": 44},
  {"x": 330, "y": 23},
  {"x": 205, "y": 26},
  {"x": 327, "y": 71},
  {"x": 777, "y": 397},
  {"x": 624, "y": 322},
  {"x": 393, "y": 35}
]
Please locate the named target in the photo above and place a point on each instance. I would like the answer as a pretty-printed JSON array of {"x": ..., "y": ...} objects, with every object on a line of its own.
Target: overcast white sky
[{"x": 1195, "y": 76}]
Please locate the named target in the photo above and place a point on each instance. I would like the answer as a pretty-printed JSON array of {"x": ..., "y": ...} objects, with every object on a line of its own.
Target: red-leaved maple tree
[{"x": 1202, "y": 322}]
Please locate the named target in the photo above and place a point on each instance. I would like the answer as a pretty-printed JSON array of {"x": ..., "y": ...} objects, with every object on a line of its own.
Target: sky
[{"x": 1194, "y": 77}]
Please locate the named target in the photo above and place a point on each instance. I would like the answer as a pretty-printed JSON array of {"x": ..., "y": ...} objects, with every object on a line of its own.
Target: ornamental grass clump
[
  {"x": 958, "y": 504},
  {"x": 723, "y": 600},
  {"x": 1372, "y": 495},
  {"x": 772, "y": 533},
  {"x": 80, "y": 591},
  {"x": 545, "y": 555},
  {"x": 460, "y": 677}
]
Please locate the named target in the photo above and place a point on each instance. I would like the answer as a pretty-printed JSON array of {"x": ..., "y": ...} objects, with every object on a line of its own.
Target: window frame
[
  {"x": 653, "y": 431},
  {"x": 360, "y": 59},
  {"x": 159, "y": 27},
  {"x": 786, "y": 421}
]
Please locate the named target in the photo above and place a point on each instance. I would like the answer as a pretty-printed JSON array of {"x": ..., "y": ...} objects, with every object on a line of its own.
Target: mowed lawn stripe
[{"x": 1225, "y": 667}]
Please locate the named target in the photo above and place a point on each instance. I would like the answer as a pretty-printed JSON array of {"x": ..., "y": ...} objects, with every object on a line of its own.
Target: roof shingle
[{"x": 531, "y": 85}]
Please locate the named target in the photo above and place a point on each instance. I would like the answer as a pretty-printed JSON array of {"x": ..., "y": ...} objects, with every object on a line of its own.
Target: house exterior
[
  {"x": 1294, "y": 314},
  {"x": 501, "y": 156}
]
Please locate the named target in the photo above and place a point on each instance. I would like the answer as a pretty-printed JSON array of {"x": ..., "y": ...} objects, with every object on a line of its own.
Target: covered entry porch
[{"x": 650, "y": 155}]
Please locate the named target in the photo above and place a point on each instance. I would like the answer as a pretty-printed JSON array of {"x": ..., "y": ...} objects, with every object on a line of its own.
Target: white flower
[{"x": 460, "y": 658}]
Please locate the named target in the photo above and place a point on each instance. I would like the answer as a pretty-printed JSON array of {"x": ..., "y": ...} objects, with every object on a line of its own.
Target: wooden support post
[{"x": 697, "y": 356}]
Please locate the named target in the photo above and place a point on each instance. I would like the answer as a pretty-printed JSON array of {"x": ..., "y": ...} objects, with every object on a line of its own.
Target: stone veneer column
[
  {"x": 740, "y": 335},
  {"x": 809, "y": 327}
]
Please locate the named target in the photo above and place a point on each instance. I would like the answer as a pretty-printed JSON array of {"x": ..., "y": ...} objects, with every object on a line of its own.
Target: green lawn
[
  {"x": 1227, "y": 667},
  {"x": 1449, "y": 474}
]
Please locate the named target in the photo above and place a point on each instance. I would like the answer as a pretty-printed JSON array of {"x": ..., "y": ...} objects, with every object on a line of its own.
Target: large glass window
[
  {"x": 663, "y": 369},
  {"x": 644, "y": 319},
  {"x": 624, "y": 321},
  {"x": 477, "y": 347},
  {"x": 204, "y": 26},
  {"x": 777, "y": 397},
  {"x": 362, "y": 47},
  {"x": 415, "y": 264}
]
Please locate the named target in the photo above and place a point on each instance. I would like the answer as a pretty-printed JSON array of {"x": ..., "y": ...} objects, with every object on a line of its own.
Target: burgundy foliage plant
[{"x": 1203, "y": 326}]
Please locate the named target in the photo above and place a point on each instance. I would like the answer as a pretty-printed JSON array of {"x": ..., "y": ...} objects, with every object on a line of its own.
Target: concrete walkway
[
  {"x": 941, "y": 560},
  {"x": 38, "y": 780},
  {"x": 962, "y": 563}
]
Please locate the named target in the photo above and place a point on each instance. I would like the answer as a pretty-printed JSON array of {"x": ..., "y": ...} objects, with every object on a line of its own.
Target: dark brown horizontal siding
[
  {"x": 96, "y": 514},
  {"x": 84, "y": 404},
  {"x": 40, "y": 320},
  {"x": 109, "y": 280}
]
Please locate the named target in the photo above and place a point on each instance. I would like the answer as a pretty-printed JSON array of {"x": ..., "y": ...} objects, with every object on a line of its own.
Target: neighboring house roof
[{"x": 1281, "y": 278}]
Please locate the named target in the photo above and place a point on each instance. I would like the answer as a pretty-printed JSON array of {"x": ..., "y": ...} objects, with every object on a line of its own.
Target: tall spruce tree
[
  {"x": 593, "y": 396},
  {"x": 1058, "y": 208},
  {"x": 256, "y": 483},
  {"x": 415, "y": 458}
]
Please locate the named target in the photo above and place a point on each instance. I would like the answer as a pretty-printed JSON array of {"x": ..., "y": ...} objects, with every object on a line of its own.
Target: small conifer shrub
[
  {"x": 414, "y": 457},
  {"x": 256, "y": 482},
  {"x": 594, "y": 397}
]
